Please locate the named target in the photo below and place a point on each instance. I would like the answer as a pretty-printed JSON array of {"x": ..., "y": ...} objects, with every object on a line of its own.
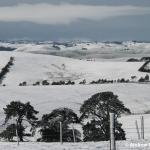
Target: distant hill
[
  {"x": 6, "y": 48},
  {"x": 84, "y": 50}
]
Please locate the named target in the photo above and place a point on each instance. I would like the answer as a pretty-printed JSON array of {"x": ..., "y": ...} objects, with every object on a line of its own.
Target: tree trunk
[{"x": 20, "y": 130}]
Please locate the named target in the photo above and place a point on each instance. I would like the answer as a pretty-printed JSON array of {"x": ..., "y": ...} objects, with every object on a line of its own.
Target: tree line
[
  {"x": 5, "y": 69},
  {"x": 94, "y": 119},
  {"x": 83, "y": 82}
]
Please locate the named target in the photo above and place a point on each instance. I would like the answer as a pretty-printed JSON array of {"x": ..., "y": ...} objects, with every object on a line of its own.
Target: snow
[
  {"x": 35, "y": 67},
  {"x": 130, "y": 127},
  {"x": 55, "y": 146},
  {"x": 4, "y": 58},
  {"x": 84, "y": 50},
  {"x": 120, "y": 145},
  {"x": 47, "y": 98},
  {"x": 32, "y": 68}
]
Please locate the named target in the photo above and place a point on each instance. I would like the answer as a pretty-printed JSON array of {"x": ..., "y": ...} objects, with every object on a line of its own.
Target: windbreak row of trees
[
  {"x": 5, "y": 69},
  {"x": 83, "y": 82},
  {"x": 94, "y": 119},
  {"x": 45, "y": 82}
]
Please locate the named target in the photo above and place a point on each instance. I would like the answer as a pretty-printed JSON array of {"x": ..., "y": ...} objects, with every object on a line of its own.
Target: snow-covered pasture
[
  {"x": 57, "y": 146},
  {"x": 47, "y": 98},
  {"x": 120, "y": 145},
  {"x": 54, "y": 146},
  {"x": 130, "y": 127},
  {"x": 4, "y": 58},
  {"x": 32, "y": 68}
]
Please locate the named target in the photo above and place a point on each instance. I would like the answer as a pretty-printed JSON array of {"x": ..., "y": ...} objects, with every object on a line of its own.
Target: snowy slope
[
  {"x": 134, "y": 96},
  {"x": 4, "y": 58},
  {"x": 31, "y": 68}
]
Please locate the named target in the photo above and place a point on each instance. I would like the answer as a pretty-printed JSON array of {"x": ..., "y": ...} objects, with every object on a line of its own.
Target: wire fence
[{"x": 129, "y": 144}]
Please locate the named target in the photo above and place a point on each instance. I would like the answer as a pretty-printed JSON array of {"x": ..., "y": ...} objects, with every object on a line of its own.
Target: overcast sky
[{"x": 101, "y": 20}]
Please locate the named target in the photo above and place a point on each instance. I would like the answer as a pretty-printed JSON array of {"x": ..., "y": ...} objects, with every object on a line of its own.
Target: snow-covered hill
[
  {"x": 32, "y": 68},
  {"x": 4, "y": 58},
  {"x": 84, "y": 50},
  {"x": 46, "y": 98}
]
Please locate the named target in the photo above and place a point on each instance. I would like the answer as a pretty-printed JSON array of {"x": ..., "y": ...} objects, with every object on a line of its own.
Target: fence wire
[{"x": 129, "y": 144}]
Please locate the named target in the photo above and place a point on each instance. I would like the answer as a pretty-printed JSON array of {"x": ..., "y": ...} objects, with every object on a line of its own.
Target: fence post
[
  {"x": 112, "y": 132},
  {"x": 17, "y": 135},
  {"x": 142, "y": 127},
  {"x": 137, "y": 129},
  {"x": 74, "y": 137},
  {"x": 16, "y": 130},
  {"x": 61, "y": 141}
]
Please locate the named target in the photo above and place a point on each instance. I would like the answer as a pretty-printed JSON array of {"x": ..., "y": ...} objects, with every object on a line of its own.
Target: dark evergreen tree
[
  {"x": 21, "y": 112},
  {"x": 147, "y": 77},
  {"x": 141, "y": 79},
  {"x": 36, "y": 84},
  {"x": 9, "y": 133},
  {"x": 5, "y": 69},
  {"x": 24, "y": 83},
  {"x": 92, "y": 132},
  {"x": 45, "y": 82},
  {"x": 50, "y": 125},
  {"x": 98, "y": 107},
  {"x": 70, "y": 83},
  {"x": 83, "y": 82}
]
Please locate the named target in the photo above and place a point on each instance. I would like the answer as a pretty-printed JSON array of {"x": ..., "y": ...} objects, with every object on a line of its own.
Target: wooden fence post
[
  {"x": 61, "y": 140},
  {"x": 74, "y": 137},
  {"x": 142, "y": 127},
  {"x": 137, "y": 129},
  {"x": 112, "y": 132}
]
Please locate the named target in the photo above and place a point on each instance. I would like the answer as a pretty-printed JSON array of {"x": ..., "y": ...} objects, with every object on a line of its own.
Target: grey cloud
[
  {"x": 65, "y": 13},
  {"x": 87, "y": 2},
  {"x": 127, "y": 28}
]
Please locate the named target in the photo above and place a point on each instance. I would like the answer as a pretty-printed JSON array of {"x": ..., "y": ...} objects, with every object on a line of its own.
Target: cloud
[{"x": 65, "y": 13}]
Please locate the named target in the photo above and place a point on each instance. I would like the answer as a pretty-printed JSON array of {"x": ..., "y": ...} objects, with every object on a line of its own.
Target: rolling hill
[
  {"x": 113, "y": 51},
  {"x": 32, "y": 68}
]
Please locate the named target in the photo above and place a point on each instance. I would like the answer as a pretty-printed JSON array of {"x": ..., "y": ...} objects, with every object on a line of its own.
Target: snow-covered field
[
  {"x": 4, "y": 58},
  {"x": 45, "y": 99},
  {"x": 55, "y": 146},
  {"x": 32, "y": 68},
  {"x": 108, "y": 62},
  {"x": 120, "y": 145}
]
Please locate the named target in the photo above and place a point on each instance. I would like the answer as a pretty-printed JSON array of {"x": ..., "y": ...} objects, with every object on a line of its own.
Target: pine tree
[
  {"x": 50, "y": 125},
  {"x": 98, "y": 107},
  {"x": 20, "y": 112}
]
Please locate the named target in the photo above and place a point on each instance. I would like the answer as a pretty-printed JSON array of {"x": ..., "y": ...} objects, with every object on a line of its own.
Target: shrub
[{"x": 45, "y": 82}]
